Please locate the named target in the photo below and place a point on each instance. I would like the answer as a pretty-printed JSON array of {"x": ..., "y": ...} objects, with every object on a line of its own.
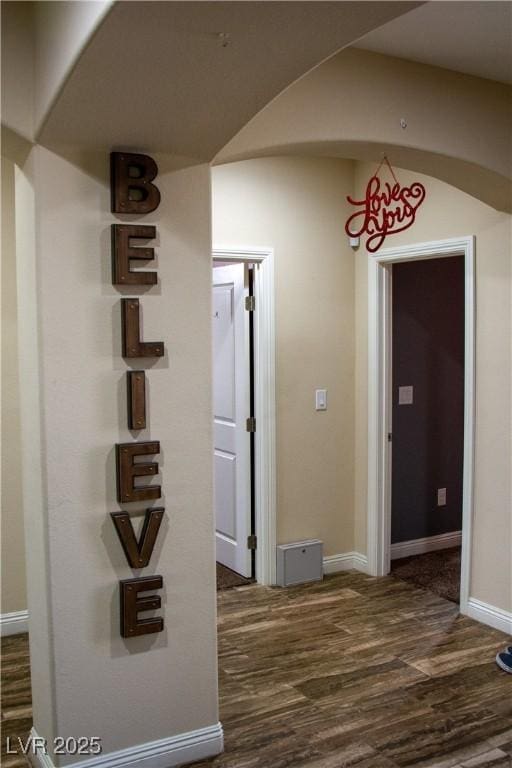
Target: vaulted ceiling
[
  {"x": 184, "y": 77},
  {"x": 474, "y": 38}
]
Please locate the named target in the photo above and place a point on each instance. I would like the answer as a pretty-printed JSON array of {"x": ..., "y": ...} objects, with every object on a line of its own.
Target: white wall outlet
[
  {"x": 321, "y": 399},
  {"x": 441, "y": 497}
]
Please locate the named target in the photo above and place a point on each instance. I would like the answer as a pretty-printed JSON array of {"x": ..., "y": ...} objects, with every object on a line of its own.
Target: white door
[{"x": 231, "y": 408}]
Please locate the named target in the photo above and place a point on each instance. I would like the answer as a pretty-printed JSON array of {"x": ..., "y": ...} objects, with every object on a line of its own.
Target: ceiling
[
  {"x": 165, "y": 77},
  {"x": 470, "y": 37}
]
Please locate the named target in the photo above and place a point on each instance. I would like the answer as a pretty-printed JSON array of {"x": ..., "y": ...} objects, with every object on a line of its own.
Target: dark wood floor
[
  {"x": 358, "y": 672},
  {"x": 353, "y": 672},
  {"x": 16, "y": 698},
  {"x": 226, "y": 578}
]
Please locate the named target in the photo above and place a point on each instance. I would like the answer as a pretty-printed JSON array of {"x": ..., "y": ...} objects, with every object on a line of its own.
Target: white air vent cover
[{"x": 299, "y": 562}]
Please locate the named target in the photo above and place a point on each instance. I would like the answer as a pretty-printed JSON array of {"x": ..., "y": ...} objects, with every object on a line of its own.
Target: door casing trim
[
  {"x": 264, "y": 403},
  {"x": 379, "y": 398}
]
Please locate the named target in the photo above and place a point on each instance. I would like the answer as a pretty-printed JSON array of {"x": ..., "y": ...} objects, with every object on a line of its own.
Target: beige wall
[
  {"x": 75, "y": 558},
  {"x": 317, "y": 497},
  {"x": 297, "y": 206},
  {"x": 12, "y": 548},
  {"x": 447, "y": 212}
]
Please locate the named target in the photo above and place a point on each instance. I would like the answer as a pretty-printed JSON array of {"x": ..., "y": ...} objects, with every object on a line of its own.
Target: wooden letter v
[{"x": 138, "y": 553}]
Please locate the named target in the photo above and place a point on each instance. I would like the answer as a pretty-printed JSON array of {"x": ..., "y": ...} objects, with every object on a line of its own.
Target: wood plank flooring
[
  {"x": 226, "y": 578},
  {"x": 358, "y": 672},
  {"x": 352, "y": 672},
  {"x": 16, "y": 697}
]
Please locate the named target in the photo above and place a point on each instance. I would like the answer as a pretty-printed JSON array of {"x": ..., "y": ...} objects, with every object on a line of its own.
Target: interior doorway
[
  {"x": 233, "y": 420},
  {"x": 381, "y": 399},
  {"x": 427, "y": 427},
  {"x": 258, "y": 402}
]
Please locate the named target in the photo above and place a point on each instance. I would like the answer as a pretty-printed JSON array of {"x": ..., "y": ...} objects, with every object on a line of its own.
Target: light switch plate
[
  {"x": 321, "y": 399},
  {"x": 405, "y": 395},
  {"x": 441, "y": 497}
]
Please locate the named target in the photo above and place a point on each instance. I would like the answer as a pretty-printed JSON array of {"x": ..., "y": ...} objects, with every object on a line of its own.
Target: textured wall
[
  {"x": 447, "y": 212},
  {"x": 13, "y": 549},
  {"x": 172, "y": 675},
  {"x": 297, "y": 206},
  {"x": 288, "y": 203}
]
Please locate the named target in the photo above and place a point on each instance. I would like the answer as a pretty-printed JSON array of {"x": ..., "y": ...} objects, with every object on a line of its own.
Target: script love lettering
[{"x": 384, "y": 211}]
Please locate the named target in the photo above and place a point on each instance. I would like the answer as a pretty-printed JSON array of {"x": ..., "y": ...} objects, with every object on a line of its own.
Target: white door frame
[
  {"x": 264, "y": 403},
  {"x": 380, "y": 398}
]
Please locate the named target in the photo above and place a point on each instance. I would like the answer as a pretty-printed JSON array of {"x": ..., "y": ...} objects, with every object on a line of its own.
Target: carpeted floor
[
  {"x": 226, "y": 578},
  {"x": 437, "y": 571}
]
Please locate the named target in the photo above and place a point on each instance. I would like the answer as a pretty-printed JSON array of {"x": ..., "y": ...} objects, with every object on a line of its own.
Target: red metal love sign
[{"x": 385, "y": 210}]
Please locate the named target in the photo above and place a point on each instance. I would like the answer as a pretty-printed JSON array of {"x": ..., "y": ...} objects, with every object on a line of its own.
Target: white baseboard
[
  {"x": 489, "y": 614},
  {"x": 13, "y": 623},
  {"x": 428, "y": 544},
  {"x": 348, "y": 561},
  {"x": 176, "y": 750}
]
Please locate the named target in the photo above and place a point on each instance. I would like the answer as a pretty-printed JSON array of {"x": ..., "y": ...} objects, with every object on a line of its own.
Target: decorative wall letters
[
  {"x": 132, "y": 191},
  {"x": 385, "y": 210},
  {"x": 138, "y": 553},
  {"x": 136, "y": 398},
  {"x": 128, "y": 470},
  {"x": 130, "y": 183},
  {"x": 132, "y": 344},
  {"x": 123, "y": 253},
  {"x": 132, "y": 605}
]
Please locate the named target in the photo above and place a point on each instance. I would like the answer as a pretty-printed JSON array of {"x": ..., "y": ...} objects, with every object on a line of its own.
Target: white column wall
[
  {"x": 127, "y": 692},
  {"x": 13, "y": 594}
]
